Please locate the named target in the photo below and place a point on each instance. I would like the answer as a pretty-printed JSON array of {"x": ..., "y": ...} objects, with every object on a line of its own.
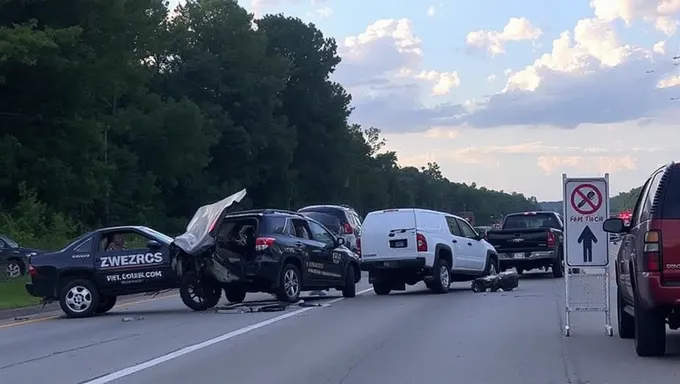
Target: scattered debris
[
  {"x": 22, "y": 318},
  {"x": 504, "y": 282},
  {"x": 264, "y": 306},
  {"x": 133, "y": 318}
]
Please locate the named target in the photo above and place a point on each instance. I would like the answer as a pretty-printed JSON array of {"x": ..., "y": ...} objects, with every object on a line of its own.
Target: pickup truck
[{"x": 530, "y": 240}]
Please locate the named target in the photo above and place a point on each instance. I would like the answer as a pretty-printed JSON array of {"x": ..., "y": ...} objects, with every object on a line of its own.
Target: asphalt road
[{"x": 411, "y": 337}]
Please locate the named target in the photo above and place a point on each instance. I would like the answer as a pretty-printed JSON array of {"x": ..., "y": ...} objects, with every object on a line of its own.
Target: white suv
[{"x": 405, "y": 246}]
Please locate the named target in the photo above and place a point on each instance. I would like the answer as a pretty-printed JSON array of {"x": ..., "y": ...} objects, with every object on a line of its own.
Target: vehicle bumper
[
  {"x": 401, "y": 269},
  {"x": 654, "y": 294},
  {"x": 40, "y": 290},
  {"x": 526, "y": 259}
]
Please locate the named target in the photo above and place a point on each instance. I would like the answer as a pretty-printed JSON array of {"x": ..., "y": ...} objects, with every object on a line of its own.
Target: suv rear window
[
  {"x": 671, "y": 195},
  {"x": 338, "y": 213},
  {"x": 329, "y": 221},
  {"x": 275, "y": 225},
  {"x": 539, "y": 220}
]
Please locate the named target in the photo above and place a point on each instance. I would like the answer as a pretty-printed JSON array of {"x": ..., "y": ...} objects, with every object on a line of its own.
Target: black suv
[
  {"x": 342, "y": 220},
  {"x": 283, "y": 253}
]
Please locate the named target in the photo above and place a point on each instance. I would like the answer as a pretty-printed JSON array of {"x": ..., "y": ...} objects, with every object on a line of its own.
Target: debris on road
[
  {"x": 264, "y": 306},
  {"x": 504, "y": 281},
  {"x": 134, "y": 318}
]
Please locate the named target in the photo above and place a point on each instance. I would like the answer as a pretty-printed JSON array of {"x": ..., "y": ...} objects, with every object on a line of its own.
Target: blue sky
[{"x": 581, "y": 86}]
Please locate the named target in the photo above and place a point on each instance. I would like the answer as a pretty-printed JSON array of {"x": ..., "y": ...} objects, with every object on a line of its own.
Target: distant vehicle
[
  {"x": 406, "y": 246},
  {"x": 530, "y": 240},
  {"x": 648, "y": 263},
  {"x": 482, "y": 230},
  {"x": 350, "y": 222},
  {"x": 88, "y": 275},
  {"x": 14, "y": 258}
]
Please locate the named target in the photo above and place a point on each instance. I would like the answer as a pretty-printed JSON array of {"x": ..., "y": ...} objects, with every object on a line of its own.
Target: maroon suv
[{"x": 648, "y": 263}]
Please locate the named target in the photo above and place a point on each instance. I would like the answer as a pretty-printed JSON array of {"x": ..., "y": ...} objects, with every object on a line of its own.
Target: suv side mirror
[
  {"x": 614, "y": 225},
  {"x": 153, "y": 245},
  {"x": 339, "y": 241}
]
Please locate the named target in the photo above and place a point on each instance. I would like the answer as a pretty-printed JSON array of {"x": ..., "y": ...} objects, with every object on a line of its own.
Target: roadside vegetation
[{"x": 114, "y": 113}]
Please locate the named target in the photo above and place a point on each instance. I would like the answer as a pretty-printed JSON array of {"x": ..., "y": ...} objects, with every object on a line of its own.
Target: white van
[{"x": 409, "y": 245}]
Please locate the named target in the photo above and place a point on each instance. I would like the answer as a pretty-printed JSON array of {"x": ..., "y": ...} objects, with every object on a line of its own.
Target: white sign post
[{"x": 586, "y": 247}]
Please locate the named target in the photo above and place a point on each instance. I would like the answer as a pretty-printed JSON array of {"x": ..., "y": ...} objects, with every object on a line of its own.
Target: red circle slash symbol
[{"x": 586, "y": 199}]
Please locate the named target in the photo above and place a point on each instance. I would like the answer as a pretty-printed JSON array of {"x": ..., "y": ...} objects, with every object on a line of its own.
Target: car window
[
  {"x": 85, "y": 246},
  {"x": 453, "y": 226},
  {"x": 320, "y": 234},
  {"x": 645, "y": 213},
  {"x": 671, "y": 202},
  {"x": 3, "y": 244},
  {"x": 300, "y": 229},
  {"x": 339, "y": 213},
  {"x": 9, "y": 242},
  {"x": 329, "y": 221},
  {"x": 636, "y": 216},
  {"x": 466, "y": 229},
  {"x": 122, "y": 240},
  {"x": 278, "y": 225}
]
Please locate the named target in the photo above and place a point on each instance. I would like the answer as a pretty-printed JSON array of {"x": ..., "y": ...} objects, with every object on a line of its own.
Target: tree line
[{"x": 124, "y": 111}]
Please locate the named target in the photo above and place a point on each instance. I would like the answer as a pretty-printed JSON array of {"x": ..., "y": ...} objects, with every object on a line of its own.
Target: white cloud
[
  {"x": 491, "y": 78},
  {"x": 431, "y": 10},
  {"x": 517, "y": 29},
  {"x": 658, "y": 12},
  {"x": 323, "y": 13},
  {"x": 660, "y": 48},
  {"x": 383, "y": 69},
  {"x": 588, "y": 77}
]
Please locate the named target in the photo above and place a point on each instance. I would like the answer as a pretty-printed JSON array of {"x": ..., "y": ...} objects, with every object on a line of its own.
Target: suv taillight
[
  {"x": 262, "y": 243},
  {"x": 347, "y": 228},
  {"x": 651, "y": 252},
  {"x": 551, "y": 239},
  {"x": 32, "y": 271},
  {"x": 422, "y": 242}
]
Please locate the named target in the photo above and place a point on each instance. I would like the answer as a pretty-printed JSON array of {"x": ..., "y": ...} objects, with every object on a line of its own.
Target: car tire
[
  {"x": 196, "y": 294},
  {"x": 234, "y": 293},
  {"x": 79, "y": 298},
  {"x": 106, "y": 303},
  {"x": 442, "y": 276},
  {"x": 492, "y": 266},
  {"x": 650, "y": 331},
  {"x": 626, "y": 322},
  {"x": 382, "y": 288},
  {"x": 350, "y": 288},
  {"x": 290, "y": 284},
  {"x": 14, "y": 269},
  {"x": 557, "y": 267}
]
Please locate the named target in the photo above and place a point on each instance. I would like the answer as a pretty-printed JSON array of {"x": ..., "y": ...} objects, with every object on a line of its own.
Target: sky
[{"x": 511, "y": 94}]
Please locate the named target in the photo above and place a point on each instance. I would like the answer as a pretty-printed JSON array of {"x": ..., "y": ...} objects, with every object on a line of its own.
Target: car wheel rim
[
  {"x": 444, "y": 276},
  {"x": 13, "y": 271},
  {"x": 78, "y": 299},
  {"x": 291, "y": 283},
  {"x": 492, "y": 269},
  {"x": 195, "y": 293}
]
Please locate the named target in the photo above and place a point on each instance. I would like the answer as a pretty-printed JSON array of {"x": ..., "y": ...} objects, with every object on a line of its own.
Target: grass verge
[{"x": 13, "y": 294}]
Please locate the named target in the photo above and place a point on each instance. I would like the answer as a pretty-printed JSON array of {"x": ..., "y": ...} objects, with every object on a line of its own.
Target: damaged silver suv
[{"x": 266, "y": 250}]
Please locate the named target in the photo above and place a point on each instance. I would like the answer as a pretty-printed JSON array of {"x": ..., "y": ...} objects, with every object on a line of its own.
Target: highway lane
[
  {"x": 410, "y": 337},
  {"x": 69, "y": 351}
]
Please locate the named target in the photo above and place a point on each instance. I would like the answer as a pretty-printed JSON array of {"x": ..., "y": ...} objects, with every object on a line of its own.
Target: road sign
[{"x": 586, "y": 207}]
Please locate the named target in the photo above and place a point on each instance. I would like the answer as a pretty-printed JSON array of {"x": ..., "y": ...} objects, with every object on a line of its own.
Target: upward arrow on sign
[{"x": 587, "y": 238}]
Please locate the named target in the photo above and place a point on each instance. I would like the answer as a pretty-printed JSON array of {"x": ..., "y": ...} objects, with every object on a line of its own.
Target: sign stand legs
[{"x": 586, "y": 205}]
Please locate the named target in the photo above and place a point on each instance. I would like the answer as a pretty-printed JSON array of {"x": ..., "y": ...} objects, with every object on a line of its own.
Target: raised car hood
[{"x": 196, "y": 240}]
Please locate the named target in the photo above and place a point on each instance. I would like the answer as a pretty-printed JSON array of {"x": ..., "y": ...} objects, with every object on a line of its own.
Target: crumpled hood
[{"x": 197, "y": 239}]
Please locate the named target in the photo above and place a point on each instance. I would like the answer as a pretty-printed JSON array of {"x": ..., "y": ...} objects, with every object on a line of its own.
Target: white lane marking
[{"x": 192, "y": 348}]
